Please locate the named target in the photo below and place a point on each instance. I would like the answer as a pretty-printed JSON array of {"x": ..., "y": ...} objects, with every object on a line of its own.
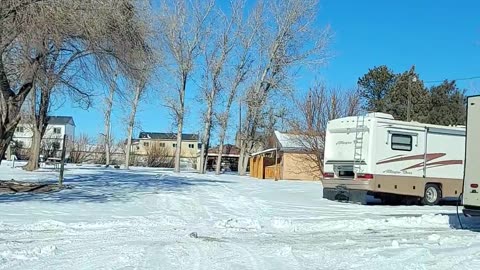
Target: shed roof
[{"x": 289, "y": 140}]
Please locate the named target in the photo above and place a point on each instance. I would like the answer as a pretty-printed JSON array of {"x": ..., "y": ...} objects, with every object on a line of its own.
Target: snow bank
[{"x": 155, "y": 219}]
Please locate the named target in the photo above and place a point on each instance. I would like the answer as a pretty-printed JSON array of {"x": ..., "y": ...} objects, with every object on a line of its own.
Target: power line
[{"x": 459, "y": 79}]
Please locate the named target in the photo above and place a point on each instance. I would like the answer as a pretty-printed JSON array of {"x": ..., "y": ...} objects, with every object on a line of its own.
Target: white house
[{"x": 57, "y": 127}]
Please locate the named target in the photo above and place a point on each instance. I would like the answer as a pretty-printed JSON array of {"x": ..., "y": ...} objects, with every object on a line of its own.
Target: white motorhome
[
  {"x": 392, "y": 160},
  {"x": 471, "y": 191}
]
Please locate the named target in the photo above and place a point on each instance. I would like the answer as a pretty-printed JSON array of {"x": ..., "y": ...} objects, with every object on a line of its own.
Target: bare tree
[
  {"x": 107, "y": 116},
  {"x": 82, "y": 149},
  {"x": 217, "y": 52},
  {"x": 32, "y": 31},
  {"x": 139, "y": 91},
  {"x": 312, "y": 113},
  {"x": 240, "y": 68},
  {"x": 182, "y": 27},
  {"x": 52, "y": 75},
  {"x": 289, "y": 39}
]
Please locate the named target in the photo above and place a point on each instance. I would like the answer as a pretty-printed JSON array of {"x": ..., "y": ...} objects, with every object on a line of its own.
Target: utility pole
[{"x": 409, "y": 103}]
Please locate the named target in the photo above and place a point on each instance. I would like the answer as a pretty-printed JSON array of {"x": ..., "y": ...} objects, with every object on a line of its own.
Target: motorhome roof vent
[{"x": 380, "y": 115}]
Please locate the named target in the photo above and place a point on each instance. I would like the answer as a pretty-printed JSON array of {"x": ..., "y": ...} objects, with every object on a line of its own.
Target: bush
[
  {"x": 159, "y": 157},
  {"x": 81, "y": 150}
]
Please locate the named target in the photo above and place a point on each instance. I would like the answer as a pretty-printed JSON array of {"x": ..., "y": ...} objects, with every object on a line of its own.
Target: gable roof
[
  {"x": 60, "y": 120},
  {"x": 228, "y": 149},
  {"x": 288, "y": 140},
  {"x": 167, "y": 136}
]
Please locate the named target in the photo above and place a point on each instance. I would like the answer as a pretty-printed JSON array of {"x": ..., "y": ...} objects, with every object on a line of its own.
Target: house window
[
  {"x": 402, "y": 142},
  {"x": 55, "y": 146},
  {"x": 20, "y": 129},
  {"x": 162, "y": 144},
  {"x": 174, "y": 145},
  {"x": 57, "y": 130},
  {"x": 191, "y": 145},
  {"x": 146, "y": 144}
]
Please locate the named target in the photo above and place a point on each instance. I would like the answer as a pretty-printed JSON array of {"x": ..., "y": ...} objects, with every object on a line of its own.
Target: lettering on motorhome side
[
  {"x": 397, "y": 172},
  {"x": 344, "y": 143}
]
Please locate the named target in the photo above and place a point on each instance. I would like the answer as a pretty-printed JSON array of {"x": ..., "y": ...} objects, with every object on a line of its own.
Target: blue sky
[{"x": 440, "y": 37}]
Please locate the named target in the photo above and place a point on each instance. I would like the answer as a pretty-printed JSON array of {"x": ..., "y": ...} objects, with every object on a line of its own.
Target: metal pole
[{"x": 62, "y": 160}]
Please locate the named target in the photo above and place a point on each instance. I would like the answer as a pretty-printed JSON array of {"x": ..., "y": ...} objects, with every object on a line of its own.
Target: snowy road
[{"x": 153, "y": 219}]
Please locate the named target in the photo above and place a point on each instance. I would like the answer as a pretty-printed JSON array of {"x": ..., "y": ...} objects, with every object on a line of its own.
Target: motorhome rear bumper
[
  {"x": 469, "y": 210},
  {"x": 346, "y": 194}
]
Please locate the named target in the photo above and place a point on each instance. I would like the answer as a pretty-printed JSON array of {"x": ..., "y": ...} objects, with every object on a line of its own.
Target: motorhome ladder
[{"x": 358, "y": 144}]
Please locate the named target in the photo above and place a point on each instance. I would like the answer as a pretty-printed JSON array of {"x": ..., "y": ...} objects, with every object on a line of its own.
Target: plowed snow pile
[{"x": 155, "y": 219}]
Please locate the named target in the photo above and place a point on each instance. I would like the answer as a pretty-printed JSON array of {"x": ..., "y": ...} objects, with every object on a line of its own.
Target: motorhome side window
[{"x": 402, "y": 142}]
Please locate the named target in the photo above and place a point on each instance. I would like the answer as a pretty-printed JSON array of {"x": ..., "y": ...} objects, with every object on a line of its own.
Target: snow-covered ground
[{"x": 154, "y": 219}]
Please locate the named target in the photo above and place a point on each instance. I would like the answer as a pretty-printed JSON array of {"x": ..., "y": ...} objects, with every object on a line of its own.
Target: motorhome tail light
[
  {"x": 328, "y": 175},
  {"x": 365, "y": 176},
  {"x": 474, "y": 185}
]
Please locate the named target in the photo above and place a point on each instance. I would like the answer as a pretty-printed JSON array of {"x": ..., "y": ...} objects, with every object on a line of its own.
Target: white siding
[{"x": 53, "y": 133}]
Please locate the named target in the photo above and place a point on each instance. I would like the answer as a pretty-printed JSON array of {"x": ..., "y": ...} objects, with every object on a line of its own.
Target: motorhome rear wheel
[{"x": 433, "y": 194}]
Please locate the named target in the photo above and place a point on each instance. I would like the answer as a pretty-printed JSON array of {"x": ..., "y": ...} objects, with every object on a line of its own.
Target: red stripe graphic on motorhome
[
  {"x": 429, "y": 157},
  {"x": 415, "y": 157}
]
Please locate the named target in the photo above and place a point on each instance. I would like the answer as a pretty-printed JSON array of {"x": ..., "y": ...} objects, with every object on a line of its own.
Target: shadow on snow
[{"x": 113, "y": 185}]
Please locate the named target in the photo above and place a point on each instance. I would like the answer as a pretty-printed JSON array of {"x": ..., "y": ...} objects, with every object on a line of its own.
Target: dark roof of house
[
  {"x": 167, "y": 136},
  {"x": 60, "y": 120},
  {"x": 228, "y": 149}
]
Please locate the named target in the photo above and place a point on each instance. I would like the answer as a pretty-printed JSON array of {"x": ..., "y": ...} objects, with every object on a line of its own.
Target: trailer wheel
[{"x": 432, "y": 195}]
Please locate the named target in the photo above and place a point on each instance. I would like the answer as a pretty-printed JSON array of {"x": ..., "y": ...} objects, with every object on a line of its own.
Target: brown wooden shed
[{"x": 288, "y": 160}]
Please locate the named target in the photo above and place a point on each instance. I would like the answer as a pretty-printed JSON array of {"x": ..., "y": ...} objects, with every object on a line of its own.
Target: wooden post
[
  {"x": 276, "y": 157},
  {"x": 62, "y": 160}
]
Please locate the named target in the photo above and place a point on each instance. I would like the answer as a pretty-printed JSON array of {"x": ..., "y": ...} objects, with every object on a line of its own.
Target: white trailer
[
  {"x": 471, "y": 191},
  {"x": 392, "y": 160}
]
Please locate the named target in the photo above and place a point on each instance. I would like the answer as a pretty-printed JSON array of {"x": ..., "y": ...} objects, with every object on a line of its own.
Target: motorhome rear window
[{"x": 401, "y": 142}]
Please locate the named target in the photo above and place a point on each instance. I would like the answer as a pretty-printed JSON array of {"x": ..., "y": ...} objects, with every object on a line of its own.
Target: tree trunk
[
  {"x": 108, "y": 114},
  {"x": 34, "y": 154},
  {"x": 178, "y": 149},
  {"x": 206, "y": 137},
  {"x": 38, "y": 126},
  {"x": 242, "y": 169},
  {"x": 10, "y": 106},
  {"x": 4, "y": 143},
  {"x": 129, "y": 147},
  {"x": 131, "y": 124},
  {"x": 205, "y": 156},
  {"x": 180, "y": 117},
  {"x": 220, "y": 148},
  {"x": 245, "y": 151}
]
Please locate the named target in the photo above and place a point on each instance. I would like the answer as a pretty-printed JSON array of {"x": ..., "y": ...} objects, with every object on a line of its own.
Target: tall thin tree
[
  {"x": 289, "y": 38},
  {"x": 107, "y": 118},
  {"x": 181, "y": 33},
  {"x": 217, "y": 53}
]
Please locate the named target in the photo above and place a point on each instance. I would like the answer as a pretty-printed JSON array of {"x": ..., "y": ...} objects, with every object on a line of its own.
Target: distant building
[
  {"x": 167, "y": 142},
  {"x": 230, "y": 157},
  {"x": 57, "y": 127}
]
